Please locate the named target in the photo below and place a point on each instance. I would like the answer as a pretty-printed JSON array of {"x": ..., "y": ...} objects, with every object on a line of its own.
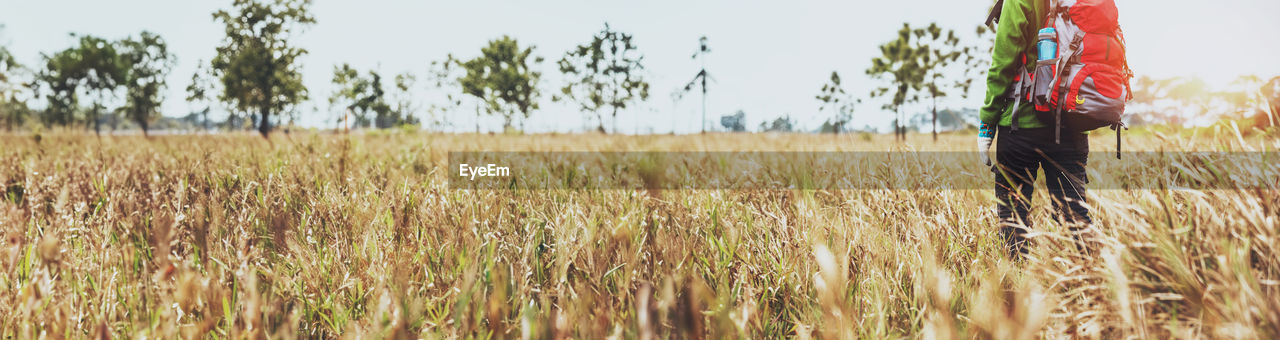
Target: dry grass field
[{"x": 317, "y": 235}]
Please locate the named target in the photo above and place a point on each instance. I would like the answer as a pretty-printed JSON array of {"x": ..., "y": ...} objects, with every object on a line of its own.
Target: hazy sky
[{"x": 768, "y": 58}]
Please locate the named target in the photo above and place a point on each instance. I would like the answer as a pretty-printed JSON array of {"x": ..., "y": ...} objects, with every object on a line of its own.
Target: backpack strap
[
  {"x": 1057, "y": 125},
  {"x": 1018, "y": 86},
  {"x": 1051, "y": 19},
  {"x": 1128, "y": 72},
  {"x": 1119, "y": 127},
  {"x": 1057, "y": 114},
  {"x": 994, "y": 16},
  {"x": 1057, "y": 86}
]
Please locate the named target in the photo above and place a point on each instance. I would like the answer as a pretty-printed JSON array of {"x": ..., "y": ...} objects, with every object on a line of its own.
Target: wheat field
[{"x": 323, "y": 235}]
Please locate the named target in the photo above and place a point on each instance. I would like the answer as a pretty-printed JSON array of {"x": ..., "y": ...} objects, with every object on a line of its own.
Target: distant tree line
[
  {"x": 1173, "y": 100},
  {"x": 95, "y": 82},
  {"x": 255, "y": 76}
]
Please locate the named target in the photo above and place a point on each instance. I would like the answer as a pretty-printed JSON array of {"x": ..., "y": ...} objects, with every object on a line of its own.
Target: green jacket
[{"x": 1020, "y": 22}]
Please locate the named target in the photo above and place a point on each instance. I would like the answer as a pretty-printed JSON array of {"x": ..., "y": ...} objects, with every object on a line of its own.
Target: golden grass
[{"x": 319, "y": 235}]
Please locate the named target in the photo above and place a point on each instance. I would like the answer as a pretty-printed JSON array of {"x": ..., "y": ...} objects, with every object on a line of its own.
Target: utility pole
[
  {"x": 704, "y": 85},
  {"x": 702, "y": 76}
]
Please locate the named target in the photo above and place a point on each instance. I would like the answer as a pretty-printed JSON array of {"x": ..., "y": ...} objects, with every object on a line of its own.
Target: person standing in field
[{"x": 1041, "y": 99}]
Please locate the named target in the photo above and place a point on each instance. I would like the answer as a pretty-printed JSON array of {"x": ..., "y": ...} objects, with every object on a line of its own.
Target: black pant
[{"x": 1018, "y": 155}]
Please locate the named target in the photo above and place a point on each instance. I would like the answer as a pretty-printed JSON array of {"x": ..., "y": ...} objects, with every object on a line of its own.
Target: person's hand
[{"x": 986, "y": 134}]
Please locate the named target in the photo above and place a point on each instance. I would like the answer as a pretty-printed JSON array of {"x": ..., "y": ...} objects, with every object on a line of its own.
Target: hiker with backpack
[{"x": 1058, "y": 70}]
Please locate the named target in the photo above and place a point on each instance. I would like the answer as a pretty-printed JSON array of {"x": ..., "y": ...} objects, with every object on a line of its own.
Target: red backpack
[{"x": 1087, "y": 85}]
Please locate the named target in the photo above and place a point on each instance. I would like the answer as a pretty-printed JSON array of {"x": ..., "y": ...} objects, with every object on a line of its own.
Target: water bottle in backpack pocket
[
  {"x": 1046, "y": 70},
  {"x": 1042, "y": 87}
]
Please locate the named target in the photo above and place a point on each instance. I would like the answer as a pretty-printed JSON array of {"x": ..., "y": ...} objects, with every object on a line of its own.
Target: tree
[
  {"x": 148, "y": 63},
  {"x": 8, "y": 66},
  {"x": 606, "y": 74},
  {"x": 502, "y": 77},
  {"x": 361, "y": 96},
  {"x": 975, "y": 62},
  {"x": 1147, "y": 92},
  {"x": 1173, "y": 100},
  {"x": 936, "y": 54},
  {"x": 59, "y": 84},
  {"x": 781, "y": 124},
  {"x": 405, "y": 111},
  {"x": 1242, "y": 97},
  {"x": 833, "y": 98},
  {"x": 443, "y": 76},
  {"x": 736, "y": 122},
  {"x": 257, "y": 67},
  {"x": 1270, "y": 113},
  {"x": 948, "y": 119},
  {"x": 1195, "y": 94},
  {"x": 13, "y": 109},
  {"x": 348, "y": 86},
  {"x": 914, "y": 64},
  {"x": 93, "y": 68},
  {"x": 353, "y": 95},
  {"x": 700, "y": 78},
  {"x": 375, "y": 100},
  {"x": 199, "y": 92},
  {"x": 900, "y": 62},
  {"x": 1192, "y": 92}
]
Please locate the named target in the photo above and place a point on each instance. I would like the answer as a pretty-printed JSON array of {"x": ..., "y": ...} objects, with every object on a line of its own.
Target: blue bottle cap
[{"x": 1048, "y": 33}]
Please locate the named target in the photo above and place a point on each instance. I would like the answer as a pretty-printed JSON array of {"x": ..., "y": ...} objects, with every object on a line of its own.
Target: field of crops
[{"x": 231, "y": 236}]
